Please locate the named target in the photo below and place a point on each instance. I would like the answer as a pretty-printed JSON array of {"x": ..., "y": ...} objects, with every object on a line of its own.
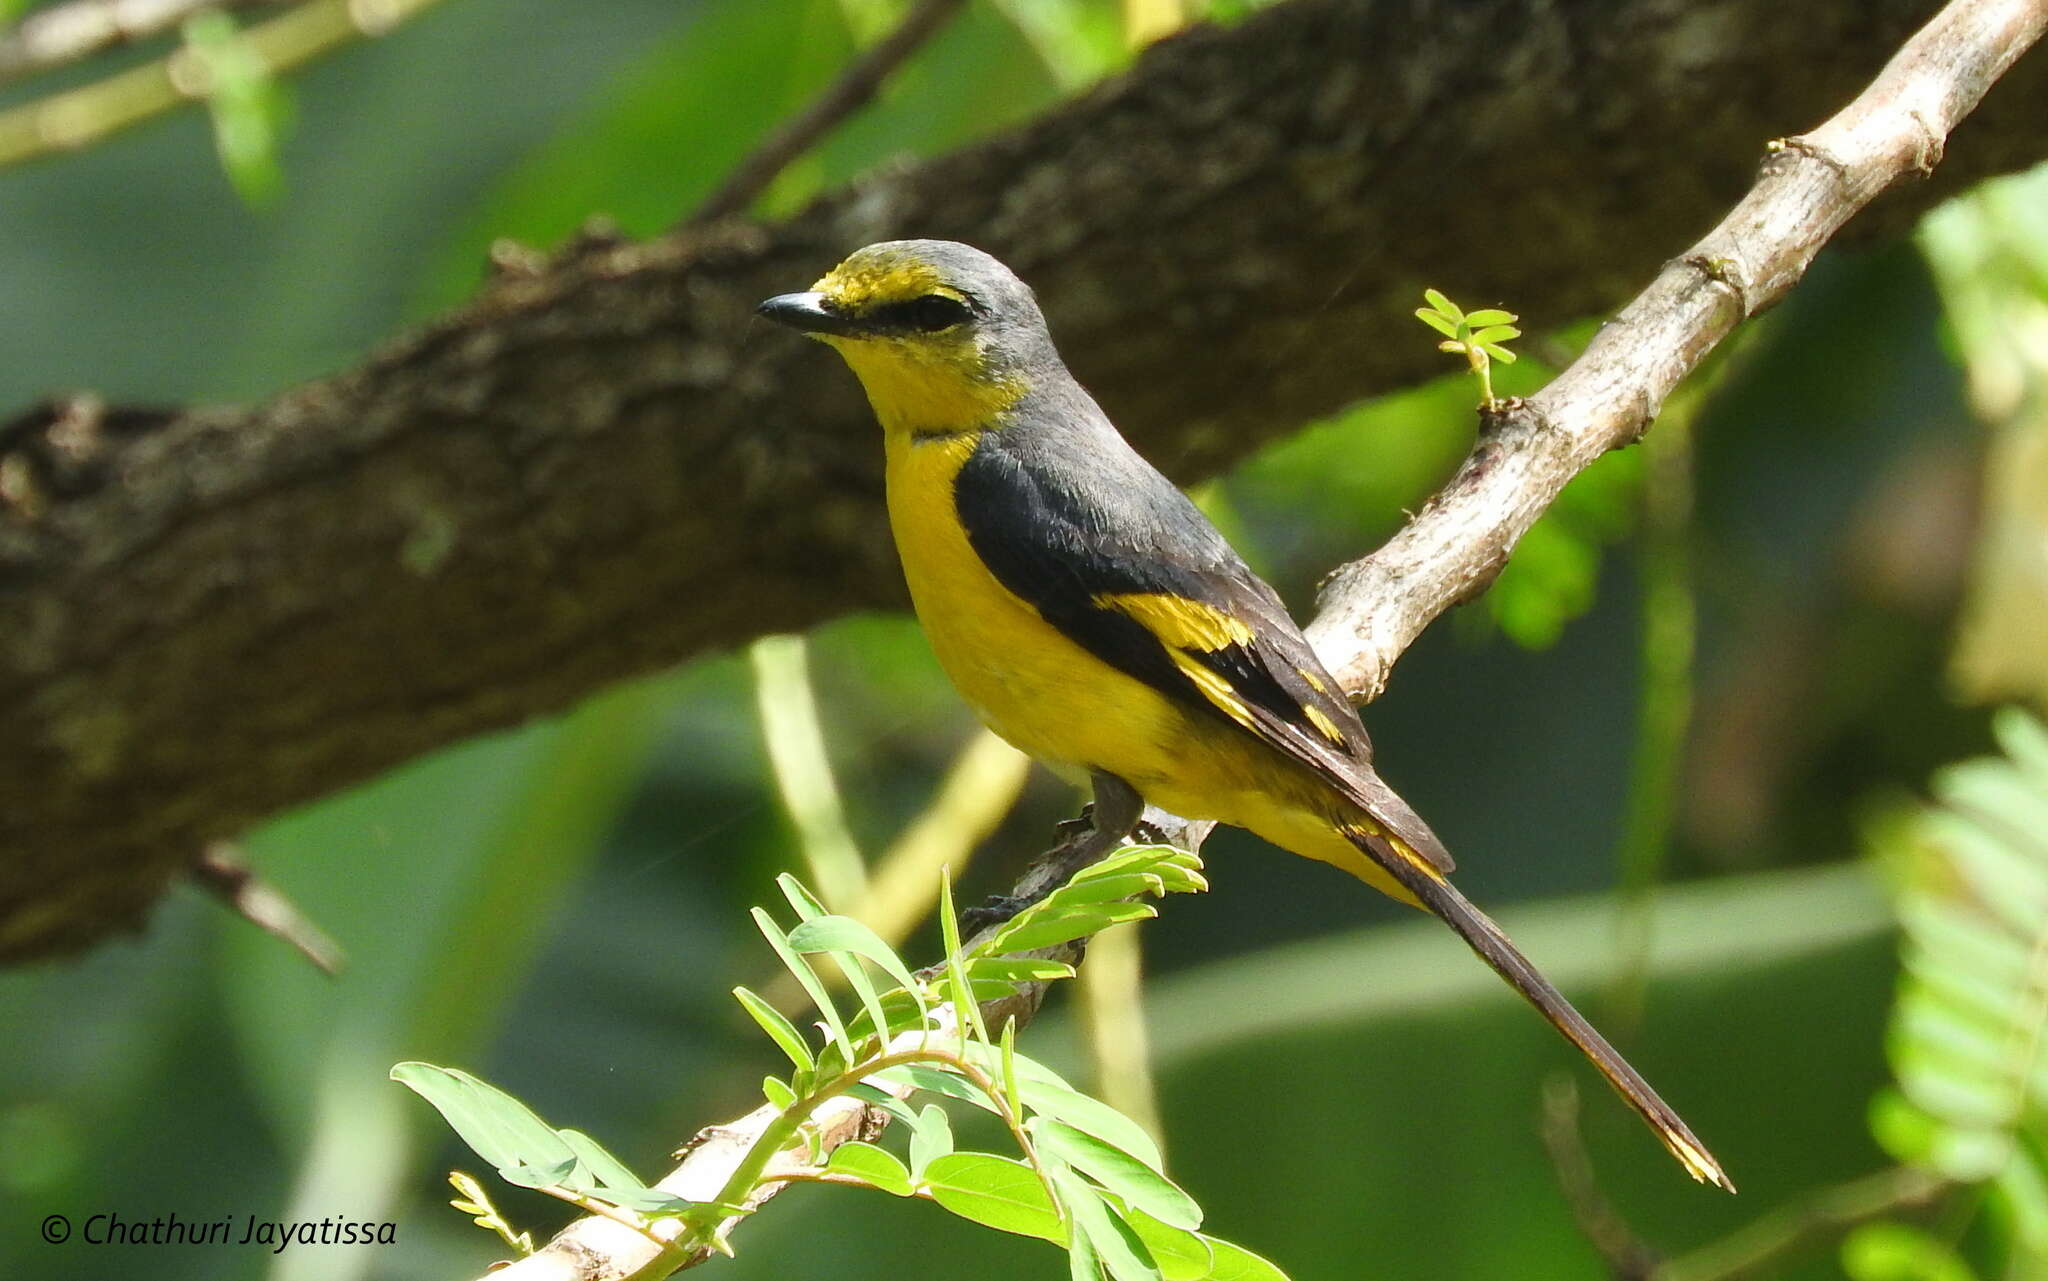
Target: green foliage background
[{"x": 563, "y": 908}]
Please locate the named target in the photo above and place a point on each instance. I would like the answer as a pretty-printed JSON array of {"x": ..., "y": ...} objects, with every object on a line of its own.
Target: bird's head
[{"x": 942, "y": 336}]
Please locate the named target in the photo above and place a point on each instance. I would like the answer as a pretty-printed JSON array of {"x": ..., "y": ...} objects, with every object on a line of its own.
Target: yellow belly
[{"x": 1057, "y": 702}]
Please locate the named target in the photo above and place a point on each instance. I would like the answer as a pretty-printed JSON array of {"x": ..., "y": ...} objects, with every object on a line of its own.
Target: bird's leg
[{"x": 1110, "y": 820}]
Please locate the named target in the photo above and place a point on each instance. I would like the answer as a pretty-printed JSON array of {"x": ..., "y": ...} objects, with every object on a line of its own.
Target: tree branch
[
  {"x": 209, "y": 615},
  {"x": 854, "y": 88},
  {"x": 80, "y": 117},
  {"x": 1812, "y": 185},
  {"x": 65, "y": 33}
]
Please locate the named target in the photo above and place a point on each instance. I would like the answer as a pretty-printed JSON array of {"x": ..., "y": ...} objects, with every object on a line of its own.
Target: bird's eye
[{"x": 928, "y": 314}]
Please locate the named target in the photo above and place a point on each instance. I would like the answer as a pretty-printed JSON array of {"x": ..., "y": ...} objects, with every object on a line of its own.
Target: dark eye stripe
[{"x": 928, "y": 314}]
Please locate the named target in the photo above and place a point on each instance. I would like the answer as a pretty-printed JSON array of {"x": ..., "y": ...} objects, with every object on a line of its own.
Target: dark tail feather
[{"x": 1486, "y": 938}]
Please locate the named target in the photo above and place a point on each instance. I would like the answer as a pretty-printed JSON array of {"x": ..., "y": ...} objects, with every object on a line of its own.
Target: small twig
[
  {"x": 67, "y": 121},
  {"x": 221, "y": 869},
  {"x": 1628, "y": 1257},
  {"x": 66, "y": 33},
  {"x": 1374, "y": 608},
  {"x": 1823, "y": 1215},
  {"x": 844, "y": 96}
]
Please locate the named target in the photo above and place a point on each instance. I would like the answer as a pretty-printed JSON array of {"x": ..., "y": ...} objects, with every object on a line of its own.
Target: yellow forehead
[{"x": 858, "y": 284}]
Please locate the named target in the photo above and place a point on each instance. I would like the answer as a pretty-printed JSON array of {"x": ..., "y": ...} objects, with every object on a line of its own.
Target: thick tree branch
[
  {"x": 606, "y": 467},
  {"x": 1811, "y": 187}
]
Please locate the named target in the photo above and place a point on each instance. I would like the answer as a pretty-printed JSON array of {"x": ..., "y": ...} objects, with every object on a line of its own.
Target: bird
[{"x": 1091, "y": 615}]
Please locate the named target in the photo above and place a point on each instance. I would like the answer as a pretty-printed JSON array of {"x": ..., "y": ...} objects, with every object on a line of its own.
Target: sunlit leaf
[
  {"x": 1123, "y": 1173},
  {"x": 779, "y": 1029},
  {"x": 995, "y": 1192},
  {"x": 878, "y": 1166},
  {"x": 496, "y": 1126},
  {"x": 807, "y": 978},
  {"x": 1123, "y": 1254},
  {"x": 1896, "y": 1252},
  {"x": 931, "y": 1137},
  {"x": 610, "y": 1172}
]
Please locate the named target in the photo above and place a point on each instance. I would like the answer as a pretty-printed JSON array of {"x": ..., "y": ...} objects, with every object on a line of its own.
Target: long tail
[{"x": 1486, "y": 938}]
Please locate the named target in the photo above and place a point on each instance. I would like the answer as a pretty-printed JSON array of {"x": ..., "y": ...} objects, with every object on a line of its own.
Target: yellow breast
[{"x": 1048, "y": 696}]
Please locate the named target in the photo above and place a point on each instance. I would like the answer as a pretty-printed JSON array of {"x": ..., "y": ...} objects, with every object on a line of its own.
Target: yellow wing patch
[
  {"x": 1213, "y": 687},
  {"x": 1179, "y": 622},
  {"x": 1325, "y": 726},
  {"x": 1315, "y": 682},
  {"x": 1358, "y": 830}
]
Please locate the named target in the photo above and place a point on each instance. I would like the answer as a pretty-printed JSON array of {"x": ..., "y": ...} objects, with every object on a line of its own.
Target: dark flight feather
[{"x": 1106, "y": 523}]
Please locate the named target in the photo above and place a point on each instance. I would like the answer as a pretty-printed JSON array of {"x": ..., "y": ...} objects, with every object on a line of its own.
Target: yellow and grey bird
[{"x": 1092, "y": 616}]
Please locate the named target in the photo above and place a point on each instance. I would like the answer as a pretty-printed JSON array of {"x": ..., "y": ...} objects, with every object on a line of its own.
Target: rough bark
[{"x": 606, "y": 466}]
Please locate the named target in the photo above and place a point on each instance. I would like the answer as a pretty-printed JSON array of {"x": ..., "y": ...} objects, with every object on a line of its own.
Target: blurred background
[{"x": 1696, "y": 749}]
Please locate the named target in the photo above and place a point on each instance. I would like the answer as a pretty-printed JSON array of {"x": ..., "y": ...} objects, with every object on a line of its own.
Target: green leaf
[
  {"x": 931, "y": 1137},
  {"x": 2025, "y": 741},
  {"x": 1017, "y": 969},
  {"x": 996, "y": 1192},
  {"x": 877, "y": 1166},
  {"x": 1495, "y": 333},
  {"x": 1109, "y": 889},
  {"x": 1028, "y": 1068},
  {"x": 801, "y": 900},
  {"x": 249, "y": 108},
  {"x": 1489, "y": 316},
  {"x": 1502, "y": 354},
  {"x": 875, "y": 1097},
  {"x": 2023, "y": 1187},
  {"x": 937, "y": 1080},
  {"x": 1138, "y": 858},
  {"x": 610, "y": 1172},
  {"x": 1235, "y": 1263},
  {"x": 1036, "y": 927},
  {"x": 848, "y": 941},
  {"x": 1903, "y": 1130},
  {"x": 1123, "y": 1254},
  {"x": 1896, "y": 1252},
  {"x": 831, "y": 933},
  {"x": 965, "y": 1010},
  {"x": 527, "y": 1175},
  {"x": 1448, "y": 328},
  {"x": 496, "y": 1126},
  {"x": 1180, "y": 1254},
  {"x": 1091, "y": 1116},
  {"x": 777, "y": 1092},
  {"x": 902, "y": 1012},
  {"x": 779, "y": 1029},
  {"x": 807, "y": 978},
  {"x": 1442, "y": 305},
  {"x": 1082, "y": 1262},
  {"x": 1129, "y": 1177},
  {"x": 1009, "y": 1077}
]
